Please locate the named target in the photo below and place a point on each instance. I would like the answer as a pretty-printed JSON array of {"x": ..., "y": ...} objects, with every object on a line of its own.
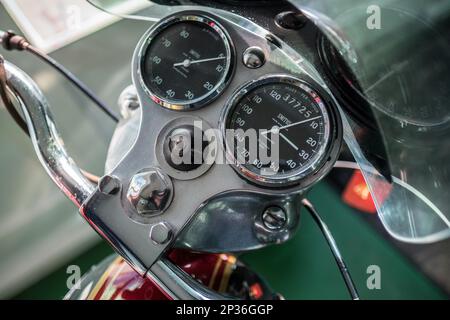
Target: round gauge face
[
  {"x": 186, "y": 62},
  {"x": 292, "y": 128}
]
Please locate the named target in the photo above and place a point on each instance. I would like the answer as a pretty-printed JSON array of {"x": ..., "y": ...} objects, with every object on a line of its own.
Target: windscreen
[{"x": 398, "y": 58}]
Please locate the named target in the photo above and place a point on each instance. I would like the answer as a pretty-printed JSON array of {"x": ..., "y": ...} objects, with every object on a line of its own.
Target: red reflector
[
  {"x": 256, "y": 291},
  {"x": 356, "y": 194}
]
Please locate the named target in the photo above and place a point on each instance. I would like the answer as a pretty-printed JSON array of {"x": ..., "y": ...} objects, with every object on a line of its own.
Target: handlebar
[{"x": 46, "y": 140}]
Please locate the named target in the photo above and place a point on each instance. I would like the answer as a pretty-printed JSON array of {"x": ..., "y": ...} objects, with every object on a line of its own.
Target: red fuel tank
[{"x": 114, "y": 279}]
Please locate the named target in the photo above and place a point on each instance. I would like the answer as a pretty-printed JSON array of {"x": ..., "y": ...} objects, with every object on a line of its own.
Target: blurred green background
[{"x": 41, "y": 233}]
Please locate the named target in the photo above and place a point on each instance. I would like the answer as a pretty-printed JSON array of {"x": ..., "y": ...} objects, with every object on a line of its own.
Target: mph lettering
[
  {"x": 283, "y": 119},
  {"x": 195, "y": 54}
]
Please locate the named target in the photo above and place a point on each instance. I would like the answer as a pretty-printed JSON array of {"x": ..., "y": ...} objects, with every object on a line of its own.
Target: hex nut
[
  {"x": 109, "y": 185},
  {"x": 161, "y": 233}
]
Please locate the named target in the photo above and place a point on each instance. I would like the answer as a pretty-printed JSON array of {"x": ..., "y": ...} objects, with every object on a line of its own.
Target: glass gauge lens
[
  {"x": 287, "y": 114},
  {"x": 186, "y": 62}
]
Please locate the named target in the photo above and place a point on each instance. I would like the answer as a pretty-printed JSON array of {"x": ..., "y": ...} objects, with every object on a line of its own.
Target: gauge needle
[
  {"x": 289, "y": 141},
  {"x": 186, "y": 63},
  {"x": 276, "y": 129}
]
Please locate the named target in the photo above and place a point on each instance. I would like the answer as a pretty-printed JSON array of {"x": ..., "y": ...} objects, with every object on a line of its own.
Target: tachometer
[
  {"x": 186, "y": 62},
  {"x": 284, "y": 113}
]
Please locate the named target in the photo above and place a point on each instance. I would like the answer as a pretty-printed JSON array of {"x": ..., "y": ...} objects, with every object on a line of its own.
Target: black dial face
[
  {"x": 187, "y": 62},
  {"x": 287, "y": 115}
]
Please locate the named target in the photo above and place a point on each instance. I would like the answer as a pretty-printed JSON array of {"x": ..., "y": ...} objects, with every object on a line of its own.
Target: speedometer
[
  {"x": 186, "y": 62},
  {"x": 294, "y": 129}
]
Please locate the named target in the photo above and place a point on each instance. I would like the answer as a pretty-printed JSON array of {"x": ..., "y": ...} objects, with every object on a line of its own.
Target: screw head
[
  {"x": 253, "y": 57},
  {"x": 274, "y": 218},
  {"x": 109, "y": 185},
  {"x": 161, "y": 233},
  {"x": 150, "y": 192}
]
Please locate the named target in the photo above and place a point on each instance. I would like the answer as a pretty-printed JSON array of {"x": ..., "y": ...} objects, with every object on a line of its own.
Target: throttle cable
[
  {"x": 11, "y": 41},
  {"x": 334, "y": 249},
  {"x": 18, "y": 119}
]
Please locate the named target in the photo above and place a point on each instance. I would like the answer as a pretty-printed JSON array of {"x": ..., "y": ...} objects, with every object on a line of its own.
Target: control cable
[
  {"x": 334, "y": 249},
  {"x": 11, "y": 41},
  {"x": 5, "y": 92}
]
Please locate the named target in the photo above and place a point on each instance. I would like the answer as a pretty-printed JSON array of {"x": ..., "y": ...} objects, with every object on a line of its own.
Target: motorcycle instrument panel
[
  {"x": 186, "y": 62},
  {"x": 292, "y": 126}
]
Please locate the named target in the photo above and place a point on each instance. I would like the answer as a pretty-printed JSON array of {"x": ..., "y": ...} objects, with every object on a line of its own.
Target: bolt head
[
  {"x": 150, "y": 192},
  {"x": 109, "y": 185},
  {"x": 161, "y": 233},
  {"x": 274, "y": 218},
  {"x": 253, "y": 57}
]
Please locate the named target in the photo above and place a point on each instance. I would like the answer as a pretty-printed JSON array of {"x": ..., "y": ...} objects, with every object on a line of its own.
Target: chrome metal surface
[
  {"x": 274, "y": 218},
  {"x": 126, "y": 130},
  {"x": 254, "y": 57},
  {"x": 46, "y": 140},
  {"x": 180, "y": 285},
  {"x": 161, "y": 232},
  {"x": 128, "y": 101},
  {"x": 109, "y": 185},
  {"x": 150, "y": 192},
  {"x": 233, "y": 222},
  {"x": 218, "y": 88}
]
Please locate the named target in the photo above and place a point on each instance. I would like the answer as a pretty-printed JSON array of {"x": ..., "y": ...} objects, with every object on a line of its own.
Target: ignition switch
[{"x": 184, "y": 148}]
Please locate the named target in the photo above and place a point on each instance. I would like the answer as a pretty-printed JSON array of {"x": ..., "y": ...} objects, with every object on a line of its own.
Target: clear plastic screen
[
  {"x": 399, "y": 53},
  {"x": 399, "y": 56},
  {"x": 141, "y": 10}
]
